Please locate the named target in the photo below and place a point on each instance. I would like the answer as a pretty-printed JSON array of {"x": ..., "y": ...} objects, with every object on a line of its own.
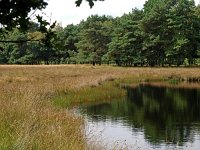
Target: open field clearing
[{"x": 29, "y": 118}]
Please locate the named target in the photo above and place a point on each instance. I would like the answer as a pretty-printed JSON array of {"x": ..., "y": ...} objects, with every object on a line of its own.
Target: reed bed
[{"x": 29, "y": 118}]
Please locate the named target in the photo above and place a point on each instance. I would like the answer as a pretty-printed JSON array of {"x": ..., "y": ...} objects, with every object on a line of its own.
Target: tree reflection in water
[{"x": 165, "y": 114}]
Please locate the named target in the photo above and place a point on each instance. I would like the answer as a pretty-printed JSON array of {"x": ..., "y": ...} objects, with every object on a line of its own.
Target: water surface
[{"x": 149, "y": 117}]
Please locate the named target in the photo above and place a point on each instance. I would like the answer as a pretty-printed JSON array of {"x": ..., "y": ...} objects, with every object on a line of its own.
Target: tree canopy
[
  {"x": 14, "y": 13},
  {"x": 91, "y": 2},
  {"x": 163, "y": 33}
]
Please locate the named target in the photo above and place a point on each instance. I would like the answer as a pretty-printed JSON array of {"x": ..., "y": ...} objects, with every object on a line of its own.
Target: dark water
[{"x": 150, "y": 117}]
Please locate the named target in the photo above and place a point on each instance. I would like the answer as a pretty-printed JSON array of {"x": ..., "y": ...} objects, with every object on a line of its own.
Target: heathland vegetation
[
  {"x": 164, "y": 32},
  {"x": 34, "y": 100}
]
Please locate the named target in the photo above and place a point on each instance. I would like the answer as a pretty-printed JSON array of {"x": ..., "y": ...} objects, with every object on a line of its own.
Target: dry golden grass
[{"x": 28, "y": 118}]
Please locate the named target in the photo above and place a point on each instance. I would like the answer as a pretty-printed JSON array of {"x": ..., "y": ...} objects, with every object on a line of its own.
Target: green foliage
[
  {"x": 125, "y": 47},
  {"x": 94, "y": 37},
  {"x": 94, "y": 94},
  {"x": 91, "y": 2},
  {"x": 165, "y": 32},
  {"x": 15, "y": 13},
  {"x": 171, "y": 32}
]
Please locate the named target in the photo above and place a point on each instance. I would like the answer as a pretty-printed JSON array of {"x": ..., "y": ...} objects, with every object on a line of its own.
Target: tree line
[{"x": 163, "y": 33}]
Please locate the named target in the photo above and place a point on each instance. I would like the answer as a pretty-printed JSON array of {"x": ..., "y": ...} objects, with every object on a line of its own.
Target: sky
[{"x": 66, "y": 12}]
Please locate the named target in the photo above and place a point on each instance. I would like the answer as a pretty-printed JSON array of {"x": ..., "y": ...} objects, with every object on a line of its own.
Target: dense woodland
[{"x": 163, "y": 33}]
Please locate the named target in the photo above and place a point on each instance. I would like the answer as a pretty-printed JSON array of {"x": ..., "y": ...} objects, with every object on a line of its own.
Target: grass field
[{"x": 29, "y": 118}]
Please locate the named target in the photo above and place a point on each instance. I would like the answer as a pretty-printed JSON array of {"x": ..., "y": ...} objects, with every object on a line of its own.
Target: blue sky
[{"x": 66, "y": 12}]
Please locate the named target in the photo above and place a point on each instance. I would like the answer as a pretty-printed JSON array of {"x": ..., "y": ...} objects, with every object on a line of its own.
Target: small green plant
[
  {"x": 102, "y": 93},
  {"x": 174, "y": 81}
]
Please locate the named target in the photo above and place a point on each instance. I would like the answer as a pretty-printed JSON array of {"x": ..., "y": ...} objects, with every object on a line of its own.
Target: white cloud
[{"x": 66, "y": 12}]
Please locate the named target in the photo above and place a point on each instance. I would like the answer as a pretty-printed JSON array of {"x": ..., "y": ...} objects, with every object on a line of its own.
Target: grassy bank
[{"x": 29, "y": 118}]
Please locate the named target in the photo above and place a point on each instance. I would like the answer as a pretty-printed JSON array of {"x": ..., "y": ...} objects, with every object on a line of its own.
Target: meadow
[{"x": 35, "y": 101}]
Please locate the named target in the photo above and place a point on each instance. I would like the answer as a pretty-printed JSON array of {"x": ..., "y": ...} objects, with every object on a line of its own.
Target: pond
[{"x": 150, "y": 116}]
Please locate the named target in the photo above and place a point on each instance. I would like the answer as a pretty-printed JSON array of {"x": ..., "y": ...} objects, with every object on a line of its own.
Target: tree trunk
[{"x": 93, "y": 63}]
